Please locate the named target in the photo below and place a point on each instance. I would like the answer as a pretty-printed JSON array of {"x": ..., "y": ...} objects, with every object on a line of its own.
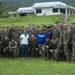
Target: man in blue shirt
[{"x": 41, "y": 37}]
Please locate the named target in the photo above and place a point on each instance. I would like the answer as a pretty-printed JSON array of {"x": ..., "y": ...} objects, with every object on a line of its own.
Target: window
[
  {"x": 55, "y": 10},
  {"x": 23, "y": 14},
  {"x": 38, "y": 10},
  {"x": 62, "y": 10}
]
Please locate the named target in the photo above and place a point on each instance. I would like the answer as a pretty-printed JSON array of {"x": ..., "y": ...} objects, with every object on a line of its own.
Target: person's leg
[
  {"x": 23, "y": 50},
  {"x": 43, "y": 50},
  {"x": 40, "y": 49},
  {"x": 67, "y": 53},
  {"x": 36, "y": 52},
  {"x": 73, "y": 53},
  {"x": 32, "y": 52},
  {"x": 0, "y": 51},
  {"x": 15, "y": 52},
  {"x": 47, "y": 53},
  {"x": 58, "y": 51},
  {"x": 26, "y": 50}
]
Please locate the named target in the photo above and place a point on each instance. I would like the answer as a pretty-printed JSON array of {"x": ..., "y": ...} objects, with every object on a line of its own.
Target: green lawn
[
  {"x": 35, "y": 66},
  {"x": 38, "y": 20}
]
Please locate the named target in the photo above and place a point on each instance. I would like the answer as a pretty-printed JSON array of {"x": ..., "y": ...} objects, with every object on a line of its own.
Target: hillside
[
  {"x": 38, "y": 20},
  {"x": 11, "y": 5}
]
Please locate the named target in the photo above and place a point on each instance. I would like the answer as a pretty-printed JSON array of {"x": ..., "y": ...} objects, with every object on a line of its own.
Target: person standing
[
  {"x": 73, "y": 42},
  {"x": 66, "y": 42},
  {"x": 24, "y": 43},
  {"x": 41, "y": 37},
  {"x": 59, "y": 52}
]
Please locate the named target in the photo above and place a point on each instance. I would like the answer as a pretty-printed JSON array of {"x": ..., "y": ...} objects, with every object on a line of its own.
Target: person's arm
[
  {"x": 20, "y": 39},
  {"x": 10, "y": 46},
  {"x": 15, "y": 45}
]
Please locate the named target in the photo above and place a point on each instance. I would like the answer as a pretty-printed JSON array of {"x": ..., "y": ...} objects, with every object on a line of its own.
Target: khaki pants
[{"x": 42, "y": 50}]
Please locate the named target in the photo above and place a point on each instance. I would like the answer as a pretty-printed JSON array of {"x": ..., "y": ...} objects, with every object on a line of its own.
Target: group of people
[{"x": 47, "y": 41}]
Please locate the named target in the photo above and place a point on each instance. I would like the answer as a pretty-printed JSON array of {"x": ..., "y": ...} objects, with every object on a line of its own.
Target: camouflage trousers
[
  {"x": 67, "y": 53},
  {"x": 73, "y": 52},
  {"x": 59, "y": 52},
  {"x": 34, "y": 52},
  {"x": 14, "y": 52},
  {"x": 1, "y": 51}
]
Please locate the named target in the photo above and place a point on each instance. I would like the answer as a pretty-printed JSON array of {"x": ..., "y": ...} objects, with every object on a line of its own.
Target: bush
[
  {"x": 4, "y": 16},
  {"x": 57, "y": 20}
]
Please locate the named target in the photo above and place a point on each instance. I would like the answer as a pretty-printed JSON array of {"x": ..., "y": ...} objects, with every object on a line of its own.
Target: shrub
[{"x": 4, "y": 16}]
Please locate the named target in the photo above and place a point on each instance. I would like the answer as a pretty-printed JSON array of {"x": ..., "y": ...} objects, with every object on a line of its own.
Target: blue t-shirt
[{"x": 41, "y": 38}]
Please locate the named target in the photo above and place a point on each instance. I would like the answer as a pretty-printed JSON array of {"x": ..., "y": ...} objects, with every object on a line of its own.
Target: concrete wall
[{"x": 47, "y": 11}]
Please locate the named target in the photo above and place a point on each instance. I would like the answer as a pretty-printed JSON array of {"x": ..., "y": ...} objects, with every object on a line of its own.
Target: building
[
  {"x": 45, "y": 8},
  {"x": 12, "y": 13},
  {"x": 26, "y": 11},
  {"x": 51, "y": 8}
]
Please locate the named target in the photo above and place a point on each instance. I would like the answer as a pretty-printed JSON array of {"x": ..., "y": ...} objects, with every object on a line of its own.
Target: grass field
[
  {"x": 38, "y": 20},
  {"x": 35, "y": 66},
  {"x": 30, "y": 20}
]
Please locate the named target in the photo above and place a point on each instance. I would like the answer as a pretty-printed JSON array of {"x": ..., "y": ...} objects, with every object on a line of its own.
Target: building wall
[{"x": 47, "y": 11}]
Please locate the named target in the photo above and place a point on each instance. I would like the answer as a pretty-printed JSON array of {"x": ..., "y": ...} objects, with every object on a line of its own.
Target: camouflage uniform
[
  {"x": 56, "y": 33},
  {"x": 1, "y": 51},
  {"x": 73, "y": 44},
  {"x": 47, "y": 48},
  {"x": 66, "y": 41},
  {"x": 10, "y": 33},
  {"x": 5, "y": 44},
  {"x": 35, "y": 31},
  {"x": 34, "y": 48},
  {"x": 19, "y": 32},
  {"x": 59, "y": 51},
  {"x": 16, "y": 36},
  {"x": 2, "y": 35},
  {"x": 13, "y": 51},
  {"x": 30, "y": 32},
  {"x": 7, "y": 34}
]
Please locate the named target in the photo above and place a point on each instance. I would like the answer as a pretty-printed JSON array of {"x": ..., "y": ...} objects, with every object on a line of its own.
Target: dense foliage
[{"x": 12, "y": 5}]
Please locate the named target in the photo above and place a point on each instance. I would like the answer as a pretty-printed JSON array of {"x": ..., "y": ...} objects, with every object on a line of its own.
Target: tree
[{"x": 1, "y": 8}]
